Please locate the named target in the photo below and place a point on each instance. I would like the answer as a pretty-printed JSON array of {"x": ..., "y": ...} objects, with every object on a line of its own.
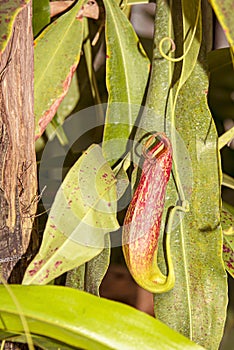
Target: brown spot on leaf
[{"x": 56, "y": 265}]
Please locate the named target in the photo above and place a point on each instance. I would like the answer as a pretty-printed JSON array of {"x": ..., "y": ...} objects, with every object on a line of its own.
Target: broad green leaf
[
  {"x": 220, "y": 89},
  {"x": 41, "y": 15},
  {"x": 57, "y": 53},
  {"x": 224, "y": 12},
  {"x": 82, "y": 320},
  {"x": 84, "y": 210},
  {"x": 89, "y": 276},
  {"x": 8, "y": 12},
  {"x": 196, "y": 307},
  {"x": 127, "y": 70}
]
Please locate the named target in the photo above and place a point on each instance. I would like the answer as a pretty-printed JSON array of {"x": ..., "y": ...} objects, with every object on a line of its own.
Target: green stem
[{"x": 226, "y": 138}]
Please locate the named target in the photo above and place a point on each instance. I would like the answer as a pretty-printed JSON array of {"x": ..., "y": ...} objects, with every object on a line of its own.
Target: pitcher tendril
[
  {"x": 173, "y": 46},
  {"x": 142, "y": 223}
]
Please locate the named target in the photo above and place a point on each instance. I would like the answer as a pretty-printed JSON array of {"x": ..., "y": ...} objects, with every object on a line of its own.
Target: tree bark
[{"x": 17, "y": 143}]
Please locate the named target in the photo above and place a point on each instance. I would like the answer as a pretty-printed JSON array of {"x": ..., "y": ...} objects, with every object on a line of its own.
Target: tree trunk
[{"x": 17, "y": 152}]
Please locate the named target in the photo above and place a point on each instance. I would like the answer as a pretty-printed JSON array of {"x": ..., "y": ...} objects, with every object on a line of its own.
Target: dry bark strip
[{"x": 17, "y": 147}]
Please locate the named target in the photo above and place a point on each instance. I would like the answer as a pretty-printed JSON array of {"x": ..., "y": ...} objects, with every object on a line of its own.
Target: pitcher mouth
[{"x": 156, "y": 145}]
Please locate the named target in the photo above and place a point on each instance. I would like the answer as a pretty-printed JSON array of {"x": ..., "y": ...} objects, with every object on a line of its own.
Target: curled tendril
[{"x": 173, "y": 46}]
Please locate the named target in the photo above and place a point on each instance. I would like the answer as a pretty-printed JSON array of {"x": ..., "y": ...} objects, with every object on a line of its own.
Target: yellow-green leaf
[
  {"x": 84, "y": 210},
  {"x": 41, "y": 15},
  {"x": 57, "y": 53},
  {"x": 81, "y": 320},
  {"x": 127, "y": 73},
  {"x": 97, "y": 268}
]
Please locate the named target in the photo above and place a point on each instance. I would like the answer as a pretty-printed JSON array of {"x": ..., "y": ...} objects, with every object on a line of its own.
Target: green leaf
[
  {"x": 57, "y": 53},
  {"x": 224, "y": 12},
  {"x": 84, "y": 210},
  {"x": 127, "y": 73},
  {"x": 41, "y": 15},
  {"x": 88, "y": 277},
  {"x": 97, "y": 268},
  {"x": 8, "y": 12},
  {"x": 196, "y": 307},
  {"x": 76, "y": 278},
  {"x": 79, "y": 319}
]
